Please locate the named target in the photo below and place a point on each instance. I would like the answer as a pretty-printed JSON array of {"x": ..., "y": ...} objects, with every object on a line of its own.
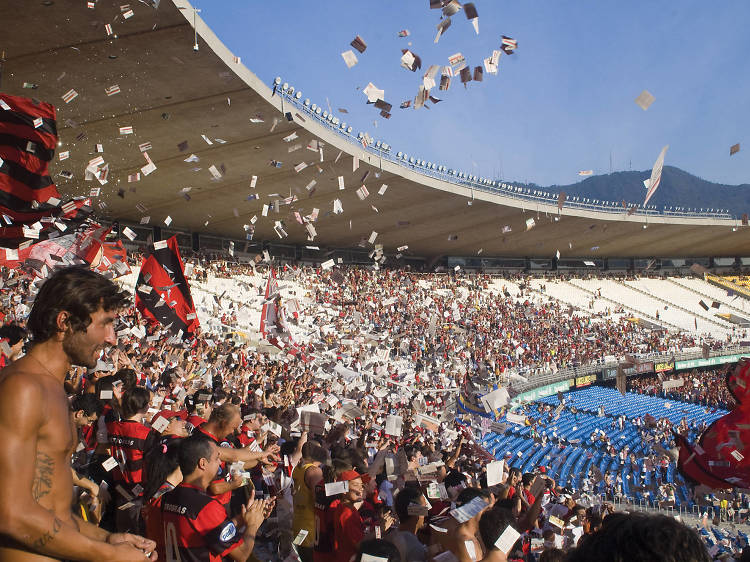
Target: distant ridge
[{"x": 677, "y": 189}]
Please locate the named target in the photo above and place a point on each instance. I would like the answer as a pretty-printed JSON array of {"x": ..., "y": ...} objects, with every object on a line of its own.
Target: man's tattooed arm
[
  {"x": 47, "y": 537},
  {"x": 43, "y": 470}
]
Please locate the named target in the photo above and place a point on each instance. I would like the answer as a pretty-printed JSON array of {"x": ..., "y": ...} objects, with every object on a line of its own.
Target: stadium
[{"x": 588, "y": 341}]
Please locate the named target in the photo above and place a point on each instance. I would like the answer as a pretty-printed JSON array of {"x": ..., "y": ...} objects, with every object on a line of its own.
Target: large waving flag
[
  {"x": 28, "y": 138},
  {"x": 655, "y": 179},
  {"x": 720, "y": 458},
  {"x": 162, "y": 292}
]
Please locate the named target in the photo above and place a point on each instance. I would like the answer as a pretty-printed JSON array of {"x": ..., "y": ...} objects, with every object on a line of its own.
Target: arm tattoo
[
  {"x": 42, "y": 483},
  {"x": 45, "y": 539}
]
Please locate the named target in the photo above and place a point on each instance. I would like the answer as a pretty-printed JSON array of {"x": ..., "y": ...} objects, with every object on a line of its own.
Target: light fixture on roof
[
  {"x": 277, "y": 80},
  {"x": 318, "y": 111},
  {"x": 284, "y": 86},
  {"x": 290, "y": 90},
  {"x": 298, "y": 95},
  {"x": 307, "y": 102},
  {"x": 314, "y": 107},
  {"x": 349, "y": 130}
]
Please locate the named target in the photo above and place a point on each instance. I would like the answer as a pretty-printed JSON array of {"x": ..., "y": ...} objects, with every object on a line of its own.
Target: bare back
[{"x": 37, "y": 439}]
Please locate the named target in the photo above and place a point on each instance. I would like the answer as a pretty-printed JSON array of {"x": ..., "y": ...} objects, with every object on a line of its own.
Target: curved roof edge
[{"x": 469, "y": 191}]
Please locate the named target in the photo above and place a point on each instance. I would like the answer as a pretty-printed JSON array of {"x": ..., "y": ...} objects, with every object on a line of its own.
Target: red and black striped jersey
[
  {"x": 324, "y": 528},
  {"x": 196, "y": 526},
  {"x": 129, "y": 441},
  {"x": 151, "y": 513}
]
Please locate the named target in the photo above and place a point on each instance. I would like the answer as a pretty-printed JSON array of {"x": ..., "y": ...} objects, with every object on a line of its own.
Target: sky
[{"x": 563, "y": 102}]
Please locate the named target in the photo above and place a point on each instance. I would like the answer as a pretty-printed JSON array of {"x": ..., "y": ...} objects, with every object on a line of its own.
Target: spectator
[
  {"x": 195, "y": 525},
  {"x": 307, "y": 475},
  {"x": 12, "y": 339},
  {"x": 411, "y": 510},
  {"x": 70, "y": 323},
  {"x": 636, "y": 536}
]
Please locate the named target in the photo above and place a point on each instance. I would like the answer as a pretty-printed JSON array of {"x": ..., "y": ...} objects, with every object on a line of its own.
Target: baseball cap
[
  {"x": 167, "y": 414},
  {"x": 348, "y": 475}
]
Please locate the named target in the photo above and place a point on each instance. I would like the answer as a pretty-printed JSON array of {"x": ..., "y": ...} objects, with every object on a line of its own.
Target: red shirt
[
  {"x": 152, "y": 518},
  {"x": 324, "y": 507},
  {"x": 130, "y": 440},
  {"x": 529, "y": 498},
  {"x": 196, "y": 527},
  {"x": 347, "y": 532}
]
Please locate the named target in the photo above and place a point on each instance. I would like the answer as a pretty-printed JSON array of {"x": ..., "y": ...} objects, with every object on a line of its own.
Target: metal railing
[
  {"x": 572, "y": 372},
  {"x": 497, "y": 187}
]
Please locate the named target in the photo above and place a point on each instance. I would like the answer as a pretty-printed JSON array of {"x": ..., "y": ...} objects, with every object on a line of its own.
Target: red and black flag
[
  {"x": 28, "y": 137},
  {"x": 719, "y": 459},
  {"x": 162, "y": 292}
]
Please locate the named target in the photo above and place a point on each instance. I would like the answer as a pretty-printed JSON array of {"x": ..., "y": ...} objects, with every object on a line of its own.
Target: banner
[
  {"x": 668, "y": 385},
  {"x": 585, "y": 380},
  {"x": 718, "y": 360},
  {"x": 663, "y": 366},
  {"x": 162, "y": 292}
]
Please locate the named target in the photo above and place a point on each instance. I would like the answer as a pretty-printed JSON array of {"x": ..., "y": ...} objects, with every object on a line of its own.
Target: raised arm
[{"x": 250, "y": 458}]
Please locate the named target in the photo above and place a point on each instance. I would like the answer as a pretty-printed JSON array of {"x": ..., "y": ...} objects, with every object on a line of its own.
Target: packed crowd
[
  {"x": 707, "y": 388},
  {"x": 215, "y": 448}
]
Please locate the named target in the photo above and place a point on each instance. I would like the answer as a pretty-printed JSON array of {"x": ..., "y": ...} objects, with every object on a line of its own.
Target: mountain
[{"x": 677, "y": 189}]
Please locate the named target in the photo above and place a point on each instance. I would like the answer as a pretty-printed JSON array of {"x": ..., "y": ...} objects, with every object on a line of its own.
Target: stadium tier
[{"x": 318, "y": 332}]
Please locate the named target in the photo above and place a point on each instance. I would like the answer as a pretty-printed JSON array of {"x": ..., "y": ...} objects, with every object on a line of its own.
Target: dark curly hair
[
  {"x": 78, "y": 291},
  {"x": 637, "y": 536}
]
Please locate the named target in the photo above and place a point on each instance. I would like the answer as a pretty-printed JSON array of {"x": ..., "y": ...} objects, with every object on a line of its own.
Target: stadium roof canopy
[{"x": 171, "y": 93}]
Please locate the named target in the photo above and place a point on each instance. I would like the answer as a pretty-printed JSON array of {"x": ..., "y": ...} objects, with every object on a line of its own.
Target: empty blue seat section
[{"x": 577, "y": 443}]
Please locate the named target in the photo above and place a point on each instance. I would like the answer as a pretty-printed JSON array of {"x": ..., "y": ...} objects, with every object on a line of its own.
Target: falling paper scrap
[
  {"x": 373, "y": 93},
  {"x": 457, "y": 62},
  {"x": 441, "y": 28},
  {"x": 472, "y": 15},
  {"x": 70, "y": 96},
  {"x": 450, "y": 8},
  {"x": 655, "y": 179},
  {"x": 586, "y": 173},
  {"x": 644, "y": 100},
  {"x": 410, "y": 61},
  {"x": 734, "y": 149},
  {"x": 508, "y": 45},
  {"x": 359, "y": 44},
  {"x": 349, "y": 58}
]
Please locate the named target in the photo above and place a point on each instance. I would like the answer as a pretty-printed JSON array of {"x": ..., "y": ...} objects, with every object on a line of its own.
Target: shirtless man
[{"x": 72, "y": 320}]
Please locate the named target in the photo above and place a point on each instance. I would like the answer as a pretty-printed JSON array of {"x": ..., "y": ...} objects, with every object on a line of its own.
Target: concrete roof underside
[{"x": 170, "y": 94}]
